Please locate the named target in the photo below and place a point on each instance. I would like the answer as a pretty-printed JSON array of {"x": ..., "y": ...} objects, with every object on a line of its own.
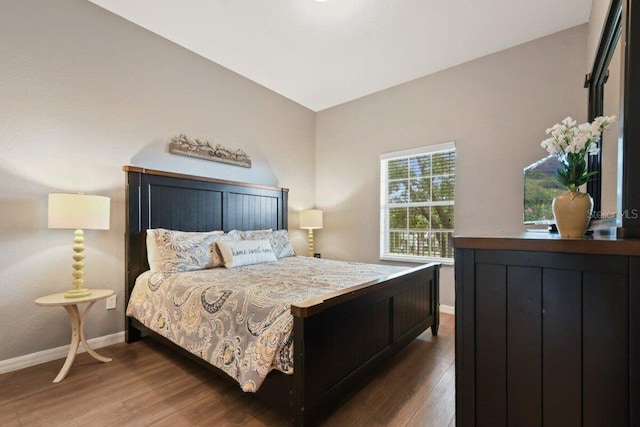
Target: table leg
[
  {"x": 74, "y": 316},
  {"x": 77, "y": 337},
  {"x": 91, "y": 351}
]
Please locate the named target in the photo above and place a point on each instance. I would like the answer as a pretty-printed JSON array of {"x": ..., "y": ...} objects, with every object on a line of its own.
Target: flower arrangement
[{"x": 571, "y": 143}]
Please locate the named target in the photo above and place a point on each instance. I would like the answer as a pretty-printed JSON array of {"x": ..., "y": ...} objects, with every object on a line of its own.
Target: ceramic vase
[{"x": 572, "y": 211}]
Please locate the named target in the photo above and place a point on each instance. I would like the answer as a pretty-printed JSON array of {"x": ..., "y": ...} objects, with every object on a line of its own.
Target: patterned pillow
[
  {"x": 246, "y": 252},
  {"x": 255, "y": 234},
  {"x": 171, "y": 251},
  {"x": 279, "y": 239}
]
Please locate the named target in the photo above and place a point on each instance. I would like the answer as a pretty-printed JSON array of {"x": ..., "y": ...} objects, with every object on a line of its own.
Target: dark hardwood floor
[{"x": 147, "y": 384}]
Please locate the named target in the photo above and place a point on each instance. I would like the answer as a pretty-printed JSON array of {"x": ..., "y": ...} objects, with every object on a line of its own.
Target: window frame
[{"x": 385, "y": 206}]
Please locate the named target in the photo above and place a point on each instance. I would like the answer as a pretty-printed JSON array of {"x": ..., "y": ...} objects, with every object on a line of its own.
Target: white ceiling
[{"x": 322, "y": 54}]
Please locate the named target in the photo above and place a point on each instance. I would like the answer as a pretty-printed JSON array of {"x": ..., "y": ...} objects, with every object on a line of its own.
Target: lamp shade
[
  {"x": 79, "y": 211},
  {"x": 311, "y": 219}
]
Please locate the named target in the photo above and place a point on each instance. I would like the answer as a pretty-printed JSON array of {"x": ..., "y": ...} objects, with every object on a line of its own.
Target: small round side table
[{"x": 77, "y": 323}]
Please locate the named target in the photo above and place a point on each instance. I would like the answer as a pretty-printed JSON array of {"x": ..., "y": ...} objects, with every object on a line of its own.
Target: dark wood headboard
[{"x": 157, "y": 199}]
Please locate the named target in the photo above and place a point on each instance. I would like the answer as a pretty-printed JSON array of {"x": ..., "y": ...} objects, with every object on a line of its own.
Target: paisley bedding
[{"x": 239, "y": 319}]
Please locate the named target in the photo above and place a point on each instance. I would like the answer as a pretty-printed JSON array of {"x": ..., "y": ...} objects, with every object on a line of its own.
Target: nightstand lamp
[
  {"x": 78, "y": 211},
  {"x": 312, "y": 220}
]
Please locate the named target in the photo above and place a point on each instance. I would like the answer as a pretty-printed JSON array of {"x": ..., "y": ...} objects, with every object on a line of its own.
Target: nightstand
[{"x": 77, "y": 323}]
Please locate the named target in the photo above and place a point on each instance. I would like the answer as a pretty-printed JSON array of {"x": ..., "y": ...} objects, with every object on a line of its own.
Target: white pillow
[
  {"x": 246, "y": 252},
  {"x": 153, "y": 253},
  {"x": 171, "y": 251}
]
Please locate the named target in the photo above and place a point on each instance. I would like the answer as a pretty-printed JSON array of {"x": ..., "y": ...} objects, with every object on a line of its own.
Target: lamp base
[
  {"x": 78, "y": 268},
  {"x": 77, "y": 293},
  {"x": 311, "y": 243}
]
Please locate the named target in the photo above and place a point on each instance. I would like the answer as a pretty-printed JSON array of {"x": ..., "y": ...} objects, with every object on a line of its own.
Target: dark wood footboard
[{"x": 340, "y": 338}]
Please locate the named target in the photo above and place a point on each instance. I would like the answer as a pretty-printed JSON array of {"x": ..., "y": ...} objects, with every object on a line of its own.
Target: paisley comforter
[{"x": 239, "y": 319}]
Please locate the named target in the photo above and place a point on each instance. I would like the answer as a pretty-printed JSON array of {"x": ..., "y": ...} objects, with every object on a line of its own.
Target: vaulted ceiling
[{"x": 322, "y": 54}]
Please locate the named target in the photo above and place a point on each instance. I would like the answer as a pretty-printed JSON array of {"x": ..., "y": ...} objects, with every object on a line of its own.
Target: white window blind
[{"x": 417, "y": 204}]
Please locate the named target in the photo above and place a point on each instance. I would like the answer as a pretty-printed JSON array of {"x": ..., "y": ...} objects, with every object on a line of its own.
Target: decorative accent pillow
[
  {"x": 214, "y": 251},
  {"x": 279, "y": 240},
  {"x": 171, "y": 251},
  {"x": 256, "y": 234},
  {"x": 246, "y": 252}
]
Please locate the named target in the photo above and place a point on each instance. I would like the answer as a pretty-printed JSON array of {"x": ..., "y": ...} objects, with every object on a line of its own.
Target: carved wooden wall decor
[{"x": 202, "y": 149}]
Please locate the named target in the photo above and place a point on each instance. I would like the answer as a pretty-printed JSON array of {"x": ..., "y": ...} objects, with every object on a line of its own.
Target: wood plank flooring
[{"x": 149, "y": 385}]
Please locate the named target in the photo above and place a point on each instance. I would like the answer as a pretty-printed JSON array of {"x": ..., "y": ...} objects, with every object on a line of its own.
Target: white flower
[
  {"x": 584, "y": 127},
  {"x": 571, "y": 143},
  {"x": 550, "y": 146},
  {"x": 578, "y": 145},
  {"x": 568, "y": 137}
]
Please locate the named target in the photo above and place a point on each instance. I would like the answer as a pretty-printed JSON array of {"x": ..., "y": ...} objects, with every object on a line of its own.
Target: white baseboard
[
  {"x": 56, "y": 353},
  {"x": 448, "y": 309}
]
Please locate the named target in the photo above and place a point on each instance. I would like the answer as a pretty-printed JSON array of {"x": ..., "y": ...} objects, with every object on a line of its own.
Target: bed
[{"x": 339, "y": 338}]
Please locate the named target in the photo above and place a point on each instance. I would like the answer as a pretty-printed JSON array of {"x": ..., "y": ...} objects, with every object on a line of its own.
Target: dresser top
[{"x": 547, "y": 242}]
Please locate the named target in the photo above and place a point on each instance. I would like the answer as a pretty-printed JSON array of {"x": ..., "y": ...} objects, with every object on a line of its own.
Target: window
[{"x": 417, "y": 204}]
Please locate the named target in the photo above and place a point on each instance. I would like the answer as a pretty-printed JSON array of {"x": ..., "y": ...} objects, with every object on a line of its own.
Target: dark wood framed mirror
[
  {"x": 621, "y": 26},
  {"x": 595, "y": 82}
]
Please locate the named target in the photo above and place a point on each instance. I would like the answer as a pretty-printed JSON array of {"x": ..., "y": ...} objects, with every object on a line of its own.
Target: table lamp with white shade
[
  {"x": 312, "y": 220},
  {"x": 78, "y": 211}
]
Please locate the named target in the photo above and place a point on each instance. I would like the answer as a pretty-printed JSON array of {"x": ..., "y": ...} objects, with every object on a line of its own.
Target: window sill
[{"x": 417, "y": 260}]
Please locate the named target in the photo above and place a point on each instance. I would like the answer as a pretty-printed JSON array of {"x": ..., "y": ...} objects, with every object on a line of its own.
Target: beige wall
[
  {"x": 84, "y": 92},
  {"x": 495, "y": 108}
]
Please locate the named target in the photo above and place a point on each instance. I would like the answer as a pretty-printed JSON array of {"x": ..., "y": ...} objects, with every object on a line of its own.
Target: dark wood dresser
[{"x": 547, "y": 331}]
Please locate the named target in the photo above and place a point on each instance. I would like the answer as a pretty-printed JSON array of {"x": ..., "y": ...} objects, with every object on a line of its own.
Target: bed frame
[{"x": 339, "y": 338}]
